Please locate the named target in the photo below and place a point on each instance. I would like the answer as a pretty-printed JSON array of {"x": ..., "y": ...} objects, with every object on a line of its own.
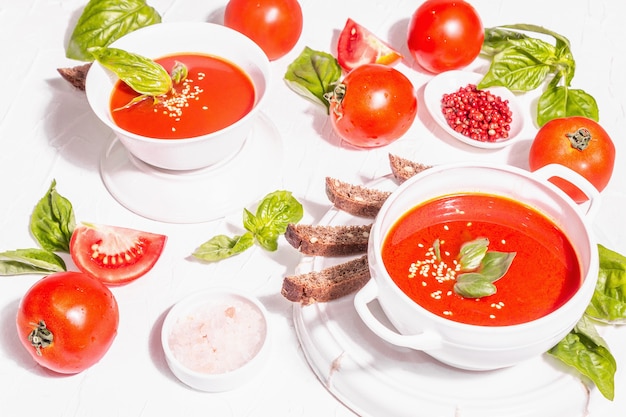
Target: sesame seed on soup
[
  {"x": 545, "y": 273},
  {"x": 215, "y": 94}
]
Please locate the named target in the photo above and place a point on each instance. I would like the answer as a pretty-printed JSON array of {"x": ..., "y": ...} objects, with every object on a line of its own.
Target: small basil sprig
[
  {"x": 272, "y": 217},
  {"x": 142, "y": 74},
  {"x": 52, "y": 223},
  {"x": 313, "y": 74},
  {"x": 608, "y": 303},
  {"x": 104, "y": 21},
  {"x": 481, "y": 268},
  {"x": 523, "y": 63}
]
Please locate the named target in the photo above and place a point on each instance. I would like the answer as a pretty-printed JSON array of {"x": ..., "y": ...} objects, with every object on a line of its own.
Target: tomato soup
[
  {"x": 544, "y": 274},
  {"x": 215, "y": 94}
]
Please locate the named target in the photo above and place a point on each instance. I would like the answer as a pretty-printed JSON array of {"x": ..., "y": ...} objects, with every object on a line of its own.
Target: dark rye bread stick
[
  {"x": 402, "y": 169},
  {"x": 328, "y": 240},
  {"x": 75, "y": 75},
  {"x": 327, "y": 284},
  {"x": 355, "y": 199}
]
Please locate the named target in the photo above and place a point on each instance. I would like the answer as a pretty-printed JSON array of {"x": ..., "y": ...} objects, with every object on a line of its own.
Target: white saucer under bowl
[
  {"x": 200, "y": 195},
  {"x": 450, "y": 81}
]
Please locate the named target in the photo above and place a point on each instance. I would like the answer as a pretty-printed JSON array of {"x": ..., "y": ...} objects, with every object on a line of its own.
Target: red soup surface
[
  {"x": 215, "y": 94},
  {"x": 544, "y": 274}
]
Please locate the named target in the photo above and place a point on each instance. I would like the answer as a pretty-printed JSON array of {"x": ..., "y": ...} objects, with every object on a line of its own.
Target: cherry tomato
[
  {"x": 275, "y": 25},
  {"x": 357, "y": 46},
  {"x": 578, "y": 143},
  {"x": 115, "y": 255},
  {"x": 445, "y": 35},
  {"x": 373, "y": 106},
  {"x": 67, "y": 321}
]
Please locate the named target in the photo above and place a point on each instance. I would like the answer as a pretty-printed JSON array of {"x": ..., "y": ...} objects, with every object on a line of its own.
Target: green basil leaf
[
  {"x": 498, "y": 39},
  {"x": 30, "y": 261},
  {"x": 584, "y": 350},
  {"x": 313, "y": 74},
  {"x": 472, "y": 254},
  {"x": 272, "y": 217},
  {"x": 140, "y": 73},
  {"x": 104, "y": 21},
  {"x": 52, "y": 221},
  {"x": 609, "y": 299},
  {"x": 222, "y": 247},
  {"x": 473, "y": 285},
  {"x": 562, "y": 101},
  {"x": 561, "y": 41},
  {"x": 521, "y": 67},
  {"x": 495, "y": 265}
]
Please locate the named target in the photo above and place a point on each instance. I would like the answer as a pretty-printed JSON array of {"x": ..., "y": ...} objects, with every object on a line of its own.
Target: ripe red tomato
[
  {"x": 357, "y": 46},
  {"x": 67, "y": 321},
  {"x": 115, "y": 255},
  {"x": 275, "y": 25},
  {"x": 445, "y": 35},
  {"x": 580, "y": 144},
  {"x": 373, "y": 106}
]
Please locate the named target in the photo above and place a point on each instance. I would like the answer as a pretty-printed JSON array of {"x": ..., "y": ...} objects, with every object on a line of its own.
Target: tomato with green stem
[
  {"x": 445, "y": 35},
  {"x": 115, "y": 255},
  {"x": 373, "y": 106},
  {"x": 67, "y": 321},
  {"x": 578, "y": 143},
  {"x": 275, "y": 25}
]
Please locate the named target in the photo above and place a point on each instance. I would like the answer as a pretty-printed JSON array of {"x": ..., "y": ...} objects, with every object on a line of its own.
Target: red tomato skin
[
  {"x": 378, "y": 107},
  {"x": 82, "y": 315},
  {"x": 445, "y": 35},
  {"x": 595, "y": 163},
  {"x": 275, "y": 25},
  {"x": 357, "y": 46},
  {"x": 82, "y": 251}
]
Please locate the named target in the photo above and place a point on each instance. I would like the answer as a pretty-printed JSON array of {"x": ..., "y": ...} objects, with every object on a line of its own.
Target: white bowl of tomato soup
[
  {"x": 206, "y": 118},
  {"x": 445, "y": 232}
]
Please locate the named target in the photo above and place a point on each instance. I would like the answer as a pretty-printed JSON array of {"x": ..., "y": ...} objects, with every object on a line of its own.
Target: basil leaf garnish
[
  {"x": 30, "y": 261},
  {"x": 561, "y": 101},
  {"x": 473, "y": 285},
  {"x": 222, "y": 246},
  {"x": 480, "y": 269},
  {"x": 52, "y": 221},
  {"x": 313, "y": 74},
  {"x": 140, "y": 73},
  {"x": 104, "y": 21},
  {"x": 584, "y": 350},
  {"x": 472, "y": 254}
]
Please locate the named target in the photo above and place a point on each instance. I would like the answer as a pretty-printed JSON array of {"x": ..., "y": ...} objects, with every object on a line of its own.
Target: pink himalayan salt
[{"x": 218, "y": 337}]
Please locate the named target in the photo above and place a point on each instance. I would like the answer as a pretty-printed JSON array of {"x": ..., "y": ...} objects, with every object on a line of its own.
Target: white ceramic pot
[
  {"x": 468, "y": 346},
  {"x": 163, "y": 39}
]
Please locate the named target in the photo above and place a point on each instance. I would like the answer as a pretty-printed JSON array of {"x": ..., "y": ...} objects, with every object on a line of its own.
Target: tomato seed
[{"x": 477, "y": 114}]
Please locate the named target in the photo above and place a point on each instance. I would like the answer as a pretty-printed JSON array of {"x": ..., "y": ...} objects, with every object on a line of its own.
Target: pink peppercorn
[{"x": 477, "y": 114}]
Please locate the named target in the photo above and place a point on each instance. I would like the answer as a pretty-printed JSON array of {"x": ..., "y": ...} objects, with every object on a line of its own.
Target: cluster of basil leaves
[
  {"x": 522, "y": 63},
  {"x": 52, "y": 223},
  {"x": 273, "y": 215}
]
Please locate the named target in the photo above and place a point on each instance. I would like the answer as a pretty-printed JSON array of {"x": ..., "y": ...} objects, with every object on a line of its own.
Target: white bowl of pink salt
[{"x": 216, "y": 340}]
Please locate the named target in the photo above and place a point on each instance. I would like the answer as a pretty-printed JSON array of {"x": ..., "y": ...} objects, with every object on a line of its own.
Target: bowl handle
[
  {"x": 422, "y": 341},
  {"x": 556, "y": 170}
]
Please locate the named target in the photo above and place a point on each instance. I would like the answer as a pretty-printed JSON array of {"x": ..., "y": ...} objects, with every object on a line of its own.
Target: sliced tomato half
[
  {"x": 115, "y": 255},
  {"x": 358, "y": 46}
]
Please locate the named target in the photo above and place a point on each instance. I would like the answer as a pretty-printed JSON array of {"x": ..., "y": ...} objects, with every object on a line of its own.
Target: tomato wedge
[
  {"x": 115, "y": 255},
  {"x": 358, "y": 46}
]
